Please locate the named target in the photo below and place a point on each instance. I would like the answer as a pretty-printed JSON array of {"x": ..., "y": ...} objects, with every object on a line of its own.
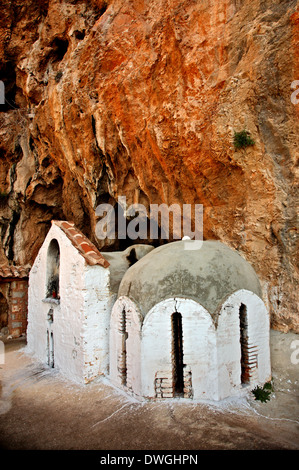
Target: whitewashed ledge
[{"x": 49, "y": 300}]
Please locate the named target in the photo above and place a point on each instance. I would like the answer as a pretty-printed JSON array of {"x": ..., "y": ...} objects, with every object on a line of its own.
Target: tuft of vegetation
[
  {"x": 263, "y": 393},
  {"x": 242, "y": 139}
]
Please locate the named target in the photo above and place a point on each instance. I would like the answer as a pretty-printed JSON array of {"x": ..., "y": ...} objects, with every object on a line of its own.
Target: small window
[
  {"x": 122, "y": 359},
  {"x": 53, "y": 265},
  {"x": 177, "y": 354},
  {"x": 245, "y": 363}
]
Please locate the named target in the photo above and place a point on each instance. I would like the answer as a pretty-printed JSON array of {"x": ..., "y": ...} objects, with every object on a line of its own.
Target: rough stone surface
[{"x": 141, "y": 99}]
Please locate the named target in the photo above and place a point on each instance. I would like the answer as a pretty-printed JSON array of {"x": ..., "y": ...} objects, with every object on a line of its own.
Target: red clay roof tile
[
  {"x": 85, "y": 247},
  {"x": 21, "y": 272}
]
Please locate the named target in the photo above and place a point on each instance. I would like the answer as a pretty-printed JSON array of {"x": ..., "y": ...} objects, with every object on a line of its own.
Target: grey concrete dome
[{"x": 207, "y": 275}]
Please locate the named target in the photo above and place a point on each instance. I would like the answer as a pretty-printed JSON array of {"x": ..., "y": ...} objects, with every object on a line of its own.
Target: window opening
[
  {"x": 245, "y": 366},
  {"x": 53, "y": 266},
  {"x": 123, "y": 355},
  {"x": 132, "y": 257},
  {"x": 177, "y": 354},
  {"x": 50, "y": 348}
]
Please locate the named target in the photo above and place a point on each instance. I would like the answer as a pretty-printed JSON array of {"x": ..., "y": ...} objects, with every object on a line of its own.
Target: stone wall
[
  {"x": 17, "y": 319},
  {"x": 16, "y": 294}
]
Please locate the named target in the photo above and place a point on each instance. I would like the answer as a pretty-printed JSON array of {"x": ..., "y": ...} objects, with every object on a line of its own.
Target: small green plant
[
  {"x": 242, "y": 139},
  {"x": 263, "y": 393}
]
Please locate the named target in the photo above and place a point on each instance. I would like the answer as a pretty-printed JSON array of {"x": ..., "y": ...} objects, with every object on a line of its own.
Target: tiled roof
[
  {"x": 85, "y": 247},
  {"x": 20, "y": 272}
]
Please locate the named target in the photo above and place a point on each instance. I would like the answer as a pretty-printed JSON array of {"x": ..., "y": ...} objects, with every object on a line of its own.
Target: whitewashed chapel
[
  {"x": 72, "y": 289},
  {"x": 159, "y": 323}
]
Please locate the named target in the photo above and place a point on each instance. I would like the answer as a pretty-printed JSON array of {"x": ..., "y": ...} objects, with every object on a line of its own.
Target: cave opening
[
  {"x": 123, "y": 236},
  {"x": 12, "y": 227},
  {"x": 100, "y": 10},
  {"x": 80, "y": 35},
  {"x": 132, "y": 257},
  {"x": 59, "y": 49}
]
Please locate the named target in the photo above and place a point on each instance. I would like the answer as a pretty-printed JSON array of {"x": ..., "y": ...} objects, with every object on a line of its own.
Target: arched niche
[{"x": 53, "y": 268}]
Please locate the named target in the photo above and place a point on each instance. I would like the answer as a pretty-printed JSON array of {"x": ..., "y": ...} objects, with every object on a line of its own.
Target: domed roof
[
  {"x": 120, "y": 261},
  {"x": 207, "y": 275}
]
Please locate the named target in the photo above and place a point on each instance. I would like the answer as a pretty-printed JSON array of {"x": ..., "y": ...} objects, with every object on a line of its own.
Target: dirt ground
[{"x": 41, "y": 410}]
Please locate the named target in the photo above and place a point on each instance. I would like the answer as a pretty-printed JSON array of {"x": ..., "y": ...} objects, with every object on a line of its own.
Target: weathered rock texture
[{"x": 141, "y": 99}]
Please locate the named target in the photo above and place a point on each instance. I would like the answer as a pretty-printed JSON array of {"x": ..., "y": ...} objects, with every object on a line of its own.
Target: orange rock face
[{"x": 141, "y": 99}]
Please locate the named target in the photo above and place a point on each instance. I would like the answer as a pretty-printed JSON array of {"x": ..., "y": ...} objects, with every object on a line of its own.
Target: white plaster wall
[
  {"x": 134, "y": 321},
  {"x": 228, "y": 342},
  {"x": 68, "y": 315},
  {"x": 199, "y": 343},
  {"x": 37, "y": 311},
  {"x": 133, "y": 344},
  {"x": 98, "y": 302},
  {"x": 114, "y": 343},
  {"x": 212, "y": 355},
  {"x": 199, "y": 346}
]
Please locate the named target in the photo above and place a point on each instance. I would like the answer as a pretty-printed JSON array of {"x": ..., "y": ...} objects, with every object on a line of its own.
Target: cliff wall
[{"x": 141, "y": 99}]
